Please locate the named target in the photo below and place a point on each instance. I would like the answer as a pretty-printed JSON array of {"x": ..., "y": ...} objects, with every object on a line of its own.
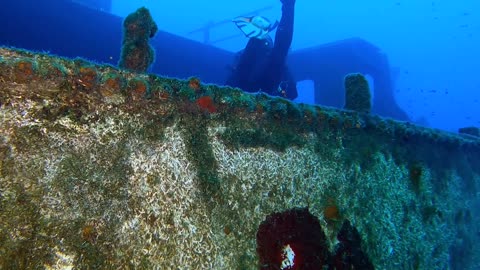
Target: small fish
[{"x": 255, "y": 27}]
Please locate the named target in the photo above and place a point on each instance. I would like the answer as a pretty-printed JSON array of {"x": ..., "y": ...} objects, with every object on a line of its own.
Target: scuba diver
[{"x": 261, "y": 66}]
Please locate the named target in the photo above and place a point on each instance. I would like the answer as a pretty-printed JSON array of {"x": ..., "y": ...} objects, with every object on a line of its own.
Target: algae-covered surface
[{"x": 101, "y": 168}]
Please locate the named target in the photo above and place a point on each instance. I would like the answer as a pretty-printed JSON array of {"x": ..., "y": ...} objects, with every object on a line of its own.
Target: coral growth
[
  {"x": 89, "y": 233},
  {"x": 113, "y": 83},
  {"x": 138, "y": 89},
  {"x": 194, "y": 83},
  {"x": 87, "y": 77},
  {"x": 331, "y": 213},
  {"x": 24, "y": 70},
  {"x": 206, "y": 104}
]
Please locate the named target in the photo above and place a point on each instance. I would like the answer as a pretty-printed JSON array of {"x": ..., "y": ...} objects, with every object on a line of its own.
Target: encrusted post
[
  {"x": 137, "y": 54},
  {"x": 357, "y": 93}
]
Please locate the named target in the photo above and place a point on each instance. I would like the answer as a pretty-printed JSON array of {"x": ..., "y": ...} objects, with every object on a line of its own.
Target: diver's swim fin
[{"x": 255, "y": 27}]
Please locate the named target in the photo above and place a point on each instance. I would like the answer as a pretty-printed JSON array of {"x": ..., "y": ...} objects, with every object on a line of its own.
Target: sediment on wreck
[{"x": 104, "y": 168}]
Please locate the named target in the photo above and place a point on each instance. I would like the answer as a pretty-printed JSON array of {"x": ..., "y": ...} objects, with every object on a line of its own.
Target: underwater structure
[
  {"x": 102, "y": 5},
  {"x": 105, "y": 168}
]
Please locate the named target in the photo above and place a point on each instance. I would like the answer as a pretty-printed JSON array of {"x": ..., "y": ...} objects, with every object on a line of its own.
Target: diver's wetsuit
[{"x": 262, "y": 67}]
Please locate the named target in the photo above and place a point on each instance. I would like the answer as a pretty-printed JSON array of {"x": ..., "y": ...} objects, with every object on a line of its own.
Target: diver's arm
[{"x": 284, "y": 34}]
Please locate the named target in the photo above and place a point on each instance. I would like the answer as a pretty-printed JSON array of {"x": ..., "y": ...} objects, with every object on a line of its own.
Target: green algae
[
  {"x": 239, "y": 135},
  {"x": 103, "y": 179},
  {"x": 235, "y": 97},
  {"x": 95, "y": 192},
  {"x": 201, "y": 154},
  {"x": 23, "y": 230},
  {"x": 279, "y": 126},
  {"x": 87, "y": 187}
]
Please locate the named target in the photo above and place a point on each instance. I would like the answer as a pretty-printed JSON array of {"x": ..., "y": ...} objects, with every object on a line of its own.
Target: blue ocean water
[{"x": 431, "y": 46}]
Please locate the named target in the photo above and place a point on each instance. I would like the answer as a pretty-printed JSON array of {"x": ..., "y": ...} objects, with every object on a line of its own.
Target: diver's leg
[{"x": 243, "y": 66}]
